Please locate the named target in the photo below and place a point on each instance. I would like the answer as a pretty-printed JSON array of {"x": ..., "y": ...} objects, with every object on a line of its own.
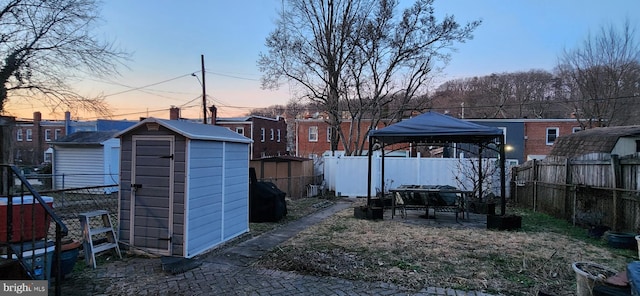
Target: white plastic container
[{"x": 589, "y": 275}]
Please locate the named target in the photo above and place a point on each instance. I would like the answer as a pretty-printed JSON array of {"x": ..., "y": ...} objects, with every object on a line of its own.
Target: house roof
[
  {"x": 85, "y": 138},
  {"x": 595, "y": 140},
  {"x": 435, "y": 127},
  {"x": 192, "y": 130},
  {"x": 244, "y": 118}
]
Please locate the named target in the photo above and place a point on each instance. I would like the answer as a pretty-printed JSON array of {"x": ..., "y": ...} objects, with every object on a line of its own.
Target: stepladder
[{"x": 98, "y": 235}]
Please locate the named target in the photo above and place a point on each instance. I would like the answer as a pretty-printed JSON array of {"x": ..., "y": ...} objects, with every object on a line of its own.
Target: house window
[
  {"x": 313, "y": 134},
  {"x": 278, "y": 136},
  {"x": 240, "y": 130},
  {"x": 47, "y": 135},
  {"x": 58, "y": 133},
  {"x": 48, "y": 156},
  {"x": 329, "y": 134},
  {"x": 29, "y": 135},
  {"x": 272, "y": 135},
  {"x": 637, "y": 145},
  {"x": 19, "y": 135},
  {"x": 262, "y": 134},
  {"x": 576, "y": 129},
  {"x": 552, "y": 134}
]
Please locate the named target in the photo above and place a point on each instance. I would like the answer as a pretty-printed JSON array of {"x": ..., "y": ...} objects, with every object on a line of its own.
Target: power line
[
  {"x": 232, "y": 76},
  {"x": 148, "y": 85},
  {"x": 148, "y": 91}
]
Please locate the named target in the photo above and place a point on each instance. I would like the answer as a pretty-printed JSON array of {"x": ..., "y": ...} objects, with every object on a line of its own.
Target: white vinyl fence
[{"x": 347, "y": 175}]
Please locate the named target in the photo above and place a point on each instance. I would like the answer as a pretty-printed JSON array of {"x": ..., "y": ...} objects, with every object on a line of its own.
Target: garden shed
[
  {"x": 85, "y": 159},
  {"x": 184, "y": 186}
]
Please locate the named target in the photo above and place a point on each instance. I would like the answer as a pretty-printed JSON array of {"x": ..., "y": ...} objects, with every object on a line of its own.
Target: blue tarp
[{"x": 436, "y": 127}]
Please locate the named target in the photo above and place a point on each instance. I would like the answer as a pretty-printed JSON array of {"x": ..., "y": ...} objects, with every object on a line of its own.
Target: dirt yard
[{"x": 536, "y": 258}]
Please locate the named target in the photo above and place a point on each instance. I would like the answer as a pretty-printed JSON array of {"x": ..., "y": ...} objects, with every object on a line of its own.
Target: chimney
[
  {"x": 67, "y": 123},
  {"x": 38, "y": 135},
  {"x": 214, "y": 114},
  {"x": 174, "y": 113}
]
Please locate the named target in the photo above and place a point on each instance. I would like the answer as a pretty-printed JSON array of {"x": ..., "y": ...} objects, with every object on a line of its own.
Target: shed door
[{"x": 152, "y": 193}]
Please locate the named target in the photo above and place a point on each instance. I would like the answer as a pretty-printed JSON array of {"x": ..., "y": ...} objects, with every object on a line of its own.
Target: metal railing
[{"x": 27, "y": 218}]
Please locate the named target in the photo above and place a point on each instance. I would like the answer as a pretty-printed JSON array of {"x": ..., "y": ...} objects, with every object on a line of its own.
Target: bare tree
[
  {"x": 531, "y": 94},
  {"x": 44, "y": 45},
  {"x": 358, "y": 57},
  {"x": 272, "y": 111},
  {"x": 601, "y": 76}
]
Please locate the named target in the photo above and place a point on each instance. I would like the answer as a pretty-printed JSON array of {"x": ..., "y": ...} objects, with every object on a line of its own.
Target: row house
[
  {"x": 313, "y": 136},
  {"x": 32, "y": 138},
  {"x": 269, "y": 135},
  {"x": 529, "y": 139},
  {"x": 526, "y": 139}
]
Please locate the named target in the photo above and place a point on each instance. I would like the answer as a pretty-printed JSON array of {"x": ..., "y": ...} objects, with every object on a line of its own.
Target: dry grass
[{"x": 417, "y": 256}]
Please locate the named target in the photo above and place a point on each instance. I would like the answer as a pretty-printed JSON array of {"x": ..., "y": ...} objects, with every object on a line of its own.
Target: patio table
[{"x": 428, "y": 196}]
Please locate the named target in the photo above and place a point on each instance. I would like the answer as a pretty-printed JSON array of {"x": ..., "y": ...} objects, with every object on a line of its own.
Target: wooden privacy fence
[
  {"x": 592, "y": 190},
  {"x": 297, "y": 187}
]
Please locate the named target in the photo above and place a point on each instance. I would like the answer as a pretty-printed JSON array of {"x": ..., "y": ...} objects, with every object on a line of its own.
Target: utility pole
[{"x": 204, "y": 93}]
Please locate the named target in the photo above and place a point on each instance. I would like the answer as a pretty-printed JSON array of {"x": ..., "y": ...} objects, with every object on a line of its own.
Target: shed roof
[
  {"x": 85, "y": 138},
  {"x": 283, "y": 158},
  {"x": 595, "y": 140},
  {"x": 192, "y": 130}
]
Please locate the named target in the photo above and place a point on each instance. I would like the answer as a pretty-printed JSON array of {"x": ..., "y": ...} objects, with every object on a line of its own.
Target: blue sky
[{"x": 166, "y": 39}]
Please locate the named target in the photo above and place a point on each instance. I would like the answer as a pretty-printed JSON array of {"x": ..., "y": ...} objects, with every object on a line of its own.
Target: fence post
[
  {"x": 535, "y": 184},
  {"x": 574, "y": 190},
  {"x": 568, "y": 181},
  {"x": 616, "y": 183}
]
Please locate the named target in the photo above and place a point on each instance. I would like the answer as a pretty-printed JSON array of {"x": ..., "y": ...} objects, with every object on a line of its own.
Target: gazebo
[{"x": 438, "y": 129}]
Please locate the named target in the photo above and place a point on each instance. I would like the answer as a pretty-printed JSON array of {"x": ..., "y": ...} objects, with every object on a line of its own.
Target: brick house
[
  {"x": 32, "y": 138},
  {"x": 313, "y": 136},
  {"x": 269, "y": 135},
  {"x": 541, "y": 134},
  {"x": 526, "y": 138}
]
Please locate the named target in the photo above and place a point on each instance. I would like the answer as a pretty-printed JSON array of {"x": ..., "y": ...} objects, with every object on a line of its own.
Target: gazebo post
[
  {"x": 382, "y": 173},
  {"x": 503, "y": 190},
  {"x": 480, "y": 177},
  {"x": 369, "y": 171}
]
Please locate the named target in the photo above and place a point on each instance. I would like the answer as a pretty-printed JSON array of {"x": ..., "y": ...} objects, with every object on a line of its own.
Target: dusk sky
[{"x": 166, "y": 39}]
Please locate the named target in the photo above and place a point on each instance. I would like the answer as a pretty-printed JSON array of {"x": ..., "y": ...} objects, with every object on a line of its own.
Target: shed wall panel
[
  {"x": 236, "y": 189},
  {"x": 205, "y": 195},
  {"x": 78, "y": 167}
]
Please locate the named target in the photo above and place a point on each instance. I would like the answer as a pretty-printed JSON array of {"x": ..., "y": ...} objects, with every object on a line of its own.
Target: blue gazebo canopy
[{"x": 432, "y": 127}]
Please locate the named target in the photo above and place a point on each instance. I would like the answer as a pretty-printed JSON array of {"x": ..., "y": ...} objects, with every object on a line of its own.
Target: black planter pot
[
  {"x": 505, "y": 222},
  {"x": 622, "y": 240},
  {"x": 371, "y": 213},
  {"x": 486, "y": 208}
]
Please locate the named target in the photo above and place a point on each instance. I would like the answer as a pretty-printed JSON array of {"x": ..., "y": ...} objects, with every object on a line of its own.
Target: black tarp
[{"x": 266, "y": 201}]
